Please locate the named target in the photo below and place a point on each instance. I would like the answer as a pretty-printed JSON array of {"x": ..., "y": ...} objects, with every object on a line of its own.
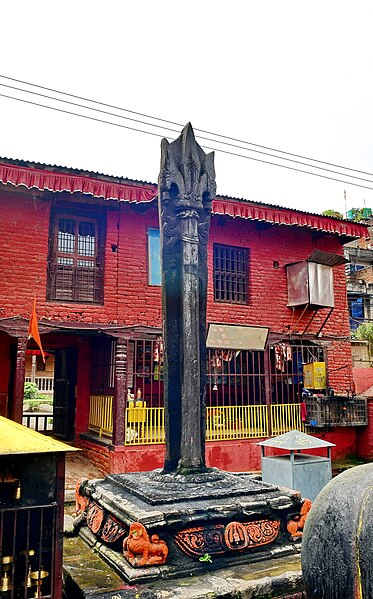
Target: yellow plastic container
[{"x": 314, "y": 375}]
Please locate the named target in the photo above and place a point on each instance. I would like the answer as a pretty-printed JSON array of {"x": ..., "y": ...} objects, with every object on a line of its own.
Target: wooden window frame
[{"x": 78, "y": 284}]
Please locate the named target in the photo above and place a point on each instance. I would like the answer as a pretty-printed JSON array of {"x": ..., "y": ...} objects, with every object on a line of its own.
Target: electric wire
[
  {"x": 204, "y": 146},
  {"x": 180, "y": 125},
  {"x": 177, "y": 132}
]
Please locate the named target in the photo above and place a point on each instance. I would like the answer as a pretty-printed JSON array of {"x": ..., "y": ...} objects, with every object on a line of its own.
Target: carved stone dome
[{"x": 337, "y": 548}]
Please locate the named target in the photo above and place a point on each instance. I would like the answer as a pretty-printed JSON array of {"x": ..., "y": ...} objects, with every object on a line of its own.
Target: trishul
[{"x": 186, "y": 190}]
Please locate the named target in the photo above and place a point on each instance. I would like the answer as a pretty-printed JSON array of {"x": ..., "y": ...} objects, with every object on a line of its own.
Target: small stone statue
[
  {"x": 296, "y": 525},
  {"x": 140, "y": 550}
]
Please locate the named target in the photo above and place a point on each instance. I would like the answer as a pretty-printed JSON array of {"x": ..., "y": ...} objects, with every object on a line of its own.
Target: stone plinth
[{"x": 207, "y": 521}]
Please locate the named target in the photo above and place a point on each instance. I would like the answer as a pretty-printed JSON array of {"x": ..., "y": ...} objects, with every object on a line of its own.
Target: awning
[
  {"x": 327, "y": 258},
  {"x": 232, "y": 336},
  {"x": 285, "y": 216},
  {"x": 115, "y": 188},
  {"x": 33, "y": 178}
]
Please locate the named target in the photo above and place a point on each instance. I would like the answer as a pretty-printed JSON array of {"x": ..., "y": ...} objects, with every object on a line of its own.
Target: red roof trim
[
  {"x": 289, "y": 217},
  {"x": 127, "y": 192},
  {"x": 57, "y": 182}
]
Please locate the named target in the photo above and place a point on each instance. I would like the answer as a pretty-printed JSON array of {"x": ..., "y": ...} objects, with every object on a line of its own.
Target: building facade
[{"x": 87, "y": 245}]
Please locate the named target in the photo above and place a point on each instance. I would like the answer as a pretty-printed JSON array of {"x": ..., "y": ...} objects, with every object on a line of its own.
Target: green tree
[
  {"x": 365, "y": 332},
  {"x": 31, "y": 392},
  {"x": 332, "y": 213}
]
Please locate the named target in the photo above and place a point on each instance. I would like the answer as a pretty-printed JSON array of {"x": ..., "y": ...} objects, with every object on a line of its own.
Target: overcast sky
[{"x": 291, "y": 75}]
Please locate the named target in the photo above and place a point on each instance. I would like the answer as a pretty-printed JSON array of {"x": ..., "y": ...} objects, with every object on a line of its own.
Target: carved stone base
[{"x": 194, "y": 522}]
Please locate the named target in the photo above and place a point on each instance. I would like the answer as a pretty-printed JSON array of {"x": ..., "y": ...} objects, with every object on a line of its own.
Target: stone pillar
[
  {"x": 19, "y": 380},
  {"x": 186, "y": 189},
  {"x": 119, "y": 400}
]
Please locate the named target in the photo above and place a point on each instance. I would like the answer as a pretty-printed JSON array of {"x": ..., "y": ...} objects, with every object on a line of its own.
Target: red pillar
[{"x": 19, "y": 380}]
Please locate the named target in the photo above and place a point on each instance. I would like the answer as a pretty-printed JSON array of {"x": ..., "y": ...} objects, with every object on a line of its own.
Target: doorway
[{"x": 65, "y": 375}]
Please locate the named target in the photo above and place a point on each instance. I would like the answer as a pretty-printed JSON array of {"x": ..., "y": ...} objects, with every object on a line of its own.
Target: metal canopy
[
  {"x": 18, "y": 439},
  {"x": 228, "y": 336},
  {"x": 295, "y": 440},
  {"x": 327, "y": 258}
]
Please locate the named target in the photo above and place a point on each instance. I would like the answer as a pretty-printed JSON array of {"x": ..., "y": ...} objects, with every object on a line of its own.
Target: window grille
[
  {"x": 235, "y": 378},
  {"x": 358, "y": 306},
  {"x": 75, "y": 270},
  {"x": 286, "y": 361},
  {"x": 145, "y": 371},
  {"x": 230, "y": 274}
]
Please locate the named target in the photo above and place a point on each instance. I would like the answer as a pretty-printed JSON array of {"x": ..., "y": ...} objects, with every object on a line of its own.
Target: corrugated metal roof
[
  {"x": 327, "y": 258},
  {"x": 72, "y": 171}
]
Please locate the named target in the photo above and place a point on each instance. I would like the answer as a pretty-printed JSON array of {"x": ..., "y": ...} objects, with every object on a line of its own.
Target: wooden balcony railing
[
  {"x": 45, "y": 384},
  {"x": 39, "y": 421}
]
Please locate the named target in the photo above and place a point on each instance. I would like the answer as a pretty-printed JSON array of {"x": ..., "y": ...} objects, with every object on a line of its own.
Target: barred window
[
  {"x": 230, "y": 274},
  {"x": 75, "y": 269}
]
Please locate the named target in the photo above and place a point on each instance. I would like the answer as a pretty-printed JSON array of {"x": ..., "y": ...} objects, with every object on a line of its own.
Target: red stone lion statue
[
  {"x": 295, "y": 526},
  {"x": 140, "y": 550},
  {"x": 81, "y": 502}
]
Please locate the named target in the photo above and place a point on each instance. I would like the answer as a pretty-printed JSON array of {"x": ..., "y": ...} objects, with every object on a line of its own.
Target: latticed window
[
  {"x": 230, "y": 274},
  {"x": 75, "y": 270}
]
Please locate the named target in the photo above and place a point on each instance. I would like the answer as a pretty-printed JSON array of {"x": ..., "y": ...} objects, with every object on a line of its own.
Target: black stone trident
[{"x": 186, "y": 190}]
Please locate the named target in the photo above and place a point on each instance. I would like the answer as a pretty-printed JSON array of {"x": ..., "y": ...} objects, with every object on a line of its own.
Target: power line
[
  {"x": 206, "y": 147},
  {"x": 99, "y": 110},
  {"x": 180, "y": 125}
]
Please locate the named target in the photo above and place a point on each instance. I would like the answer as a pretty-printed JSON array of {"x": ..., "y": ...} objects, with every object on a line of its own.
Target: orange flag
[{"x": 33, "y": 329}]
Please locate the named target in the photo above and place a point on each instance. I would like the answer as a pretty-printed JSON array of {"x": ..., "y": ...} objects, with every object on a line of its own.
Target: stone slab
[{"x": 88, "y": 577}]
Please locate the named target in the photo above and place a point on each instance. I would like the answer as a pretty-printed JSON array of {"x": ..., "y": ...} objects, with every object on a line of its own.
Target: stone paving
[{"x": 87, "y": 576}]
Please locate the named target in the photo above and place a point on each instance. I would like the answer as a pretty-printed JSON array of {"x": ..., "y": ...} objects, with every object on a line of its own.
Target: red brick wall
[
  {"x": 24, "y": 229},
  {"x": 128, "y": 298},
  {"x": 98, "y": 455},
  {"x": 24, "y": 250}
]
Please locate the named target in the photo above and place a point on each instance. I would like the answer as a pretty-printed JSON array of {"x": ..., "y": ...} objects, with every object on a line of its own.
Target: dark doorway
[{"x": 65, "y": 371}]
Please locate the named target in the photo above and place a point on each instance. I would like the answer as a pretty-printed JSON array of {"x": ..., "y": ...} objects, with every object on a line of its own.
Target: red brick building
[{"x": 88, "y": 246}]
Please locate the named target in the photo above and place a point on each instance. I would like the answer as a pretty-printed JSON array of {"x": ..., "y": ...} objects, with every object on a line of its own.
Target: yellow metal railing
[
  {"x": 145, "y": 426},
  {"x": 101, "y": 415},
  {"x": 286, "y": 417},
  {"x": 236, "y": 422}
]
